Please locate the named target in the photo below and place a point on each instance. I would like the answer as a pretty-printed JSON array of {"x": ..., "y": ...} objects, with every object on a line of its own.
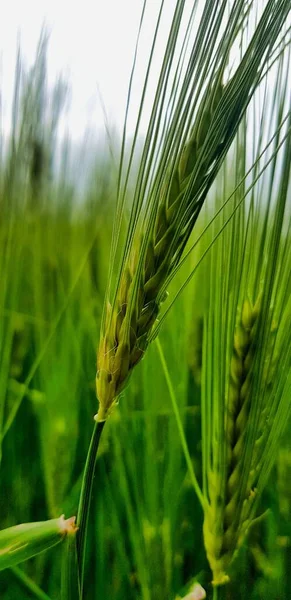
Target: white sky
[{"x": 91, "y": 43}]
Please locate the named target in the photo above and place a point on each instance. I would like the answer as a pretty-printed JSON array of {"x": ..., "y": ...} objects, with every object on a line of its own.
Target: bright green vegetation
[{"x": 193, "y": 466}]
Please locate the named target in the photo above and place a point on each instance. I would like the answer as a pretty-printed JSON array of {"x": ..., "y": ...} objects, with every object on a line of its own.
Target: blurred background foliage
[{"x": 145, "y": 538}]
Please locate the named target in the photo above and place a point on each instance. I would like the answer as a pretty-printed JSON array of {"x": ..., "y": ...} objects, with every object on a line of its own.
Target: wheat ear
[
  {"x": 226, "y": 516},
  {"x": 167, "y": 206},
  {"x": 131, "y": 319}
]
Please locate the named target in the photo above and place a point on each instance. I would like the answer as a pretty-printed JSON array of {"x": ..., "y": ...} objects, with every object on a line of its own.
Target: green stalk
[
  {"x": 29, "y": 584},
  {"x": 85, "y": 499},
  {"x": 180, "y": 425},
  {"x": 218, "y": 592},
  {"x": 70, "y": 588}
]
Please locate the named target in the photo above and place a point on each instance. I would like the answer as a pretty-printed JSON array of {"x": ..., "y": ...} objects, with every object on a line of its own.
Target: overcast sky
[{"x": 91, "y": 43}]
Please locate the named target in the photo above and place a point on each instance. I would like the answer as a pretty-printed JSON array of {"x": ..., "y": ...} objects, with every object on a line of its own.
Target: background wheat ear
[
  {"x": 224, "y": 524},
  {"x": 165, "y": 210},
  {"x": 246, "y": 332}
]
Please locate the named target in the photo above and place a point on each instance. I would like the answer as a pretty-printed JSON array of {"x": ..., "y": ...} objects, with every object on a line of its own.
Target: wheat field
[{"x": 152, "y": 307}]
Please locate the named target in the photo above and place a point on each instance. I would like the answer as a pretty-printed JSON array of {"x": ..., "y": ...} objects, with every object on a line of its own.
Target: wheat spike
[
  {"x": 180, "y": 175},
  {"x": 225, "y": 520},
  {"x": 127, "y": 329}
]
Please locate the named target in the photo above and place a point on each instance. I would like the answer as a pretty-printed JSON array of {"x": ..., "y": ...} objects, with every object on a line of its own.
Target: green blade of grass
[{"x": 179, "y": 424}]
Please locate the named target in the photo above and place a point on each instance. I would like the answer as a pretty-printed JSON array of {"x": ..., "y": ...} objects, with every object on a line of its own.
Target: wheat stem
[
  {"x": 215, "y": 593},
  {"x": 218, "y": 592},
  {"x": 29, "y": 584},
  {"x": 85, "y": 498},
  {"x": 179, "y": 424}
]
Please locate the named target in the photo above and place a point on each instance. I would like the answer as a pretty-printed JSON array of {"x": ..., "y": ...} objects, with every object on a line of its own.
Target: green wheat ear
[
  {"x": 244, "y": 445},
  {"x": 199, "y": 132},
  {"x": 226, "y": 519},
  {"x": 246, "y": 378},
  {"x": 128, "y": 323}
]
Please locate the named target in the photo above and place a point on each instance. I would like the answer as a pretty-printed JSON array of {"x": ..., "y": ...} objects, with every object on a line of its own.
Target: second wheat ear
[{"x": 223, "y": 529}]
